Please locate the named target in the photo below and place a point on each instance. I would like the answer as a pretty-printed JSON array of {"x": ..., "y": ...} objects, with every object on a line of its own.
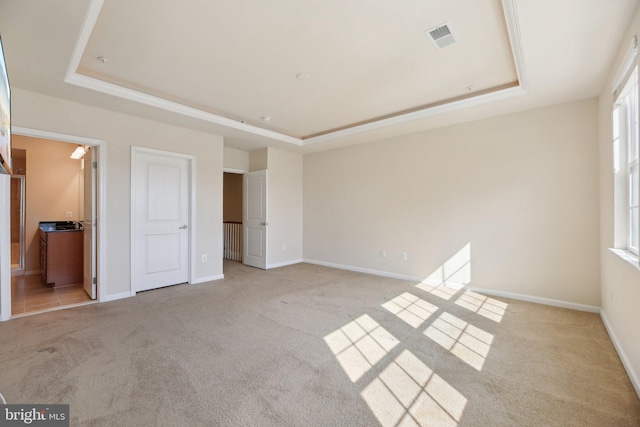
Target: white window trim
[
  {"x": 628, "y": 258},
  {"x": 622, "y": 208},
  {"x": 629, "y": 137}
]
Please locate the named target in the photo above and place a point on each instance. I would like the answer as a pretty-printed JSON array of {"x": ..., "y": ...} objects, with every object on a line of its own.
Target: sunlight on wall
[
  {"x": 469, "y": 343},
  {"x": 451, "y": 276},
  {"x": 450, "y": 279},
  {"x": 359, "y": 345},
  {"x": 484, "y": 306},
  {"x": 410, "y": 308},
  {"x": 456, "y": 270},
  {"x": 408, "y": 393}
]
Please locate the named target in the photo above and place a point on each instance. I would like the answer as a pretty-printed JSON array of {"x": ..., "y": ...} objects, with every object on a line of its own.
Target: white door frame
[
  {"x": 246, "y": 222},
  {"x": 101, "y": 271},
  {"x": 23, "y": 202},
  {"x": 192, "y": 208},
  {"x": 89, "y": 184}
]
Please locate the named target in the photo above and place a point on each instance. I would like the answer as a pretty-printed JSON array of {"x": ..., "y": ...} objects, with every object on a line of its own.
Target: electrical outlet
[
  {"x": 284, "y": 246},
  {"x": 204, "y": 257},
  {"x": 383, "y": 254},
  {"x": 405, "y": 256},
  {"x": 69, "y": 214}
]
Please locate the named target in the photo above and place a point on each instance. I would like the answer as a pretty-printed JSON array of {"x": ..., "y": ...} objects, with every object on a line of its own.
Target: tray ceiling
[
  {"x": 220, "y": 66},
  {"x": 300, "y": 69}
]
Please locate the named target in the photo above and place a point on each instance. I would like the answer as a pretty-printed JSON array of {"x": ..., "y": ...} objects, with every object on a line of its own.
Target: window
[{"x": 626, "y": 164}]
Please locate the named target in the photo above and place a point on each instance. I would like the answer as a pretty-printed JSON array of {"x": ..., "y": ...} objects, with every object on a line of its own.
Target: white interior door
[
  {"x": 160, "y": 219},
  {"x": 89, "y": 223},
  {"x": 254, "y": 219}
]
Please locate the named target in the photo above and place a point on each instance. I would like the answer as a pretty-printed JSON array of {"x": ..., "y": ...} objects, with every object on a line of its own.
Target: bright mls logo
[{"x": 35, "y": 415}]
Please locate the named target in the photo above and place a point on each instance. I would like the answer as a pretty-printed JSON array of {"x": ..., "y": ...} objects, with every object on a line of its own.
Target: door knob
[
  {"x": 184, "y": 227},
  {"x": 263, "y": 223}
]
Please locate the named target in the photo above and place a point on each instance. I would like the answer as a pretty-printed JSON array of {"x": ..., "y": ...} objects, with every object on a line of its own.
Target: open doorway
[
  {"x": 232, "y": 216},
  {"x": 57, "y": 220}
]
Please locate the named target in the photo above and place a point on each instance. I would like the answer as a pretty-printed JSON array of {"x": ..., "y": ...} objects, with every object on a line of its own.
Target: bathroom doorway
[{"x": 49, "y": 219}]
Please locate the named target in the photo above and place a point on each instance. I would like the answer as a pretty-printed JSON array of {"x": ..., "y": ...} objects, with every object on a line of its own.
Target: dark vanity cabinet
[{"x": 61, "y": 256}]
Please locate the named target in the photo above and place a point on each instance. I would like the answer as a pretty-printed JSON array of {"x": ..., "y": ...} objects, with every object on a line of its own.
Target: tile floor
[{"x": 30, "y": 293}]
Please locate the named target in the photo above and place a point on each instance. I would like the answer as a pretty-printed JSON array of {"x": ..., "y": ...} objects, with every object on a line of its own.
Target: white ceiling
[{"x": 373, "y": 73}]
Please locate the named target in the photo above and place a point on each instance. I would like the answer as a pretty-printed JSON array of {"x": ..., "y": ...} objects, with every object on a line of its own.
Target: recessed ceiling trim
[
  {"x": 93, "y": 12},
  {"x": 95, "y": 6},
  {"x": 174, "y": 107},
  {"x": 485, "y": 98},
  {"x": 510, "y": 10}
]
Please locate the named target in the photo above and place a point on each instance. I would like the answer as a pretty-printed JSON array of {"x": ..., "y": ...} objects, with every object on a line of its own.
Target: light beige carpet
[{"x": 306, "y": 345}]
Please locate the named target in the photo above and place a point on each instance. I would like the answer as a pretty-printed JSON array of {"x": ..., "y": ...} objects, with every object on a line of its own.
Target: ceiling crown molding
[{"x": 93, "y": 12}]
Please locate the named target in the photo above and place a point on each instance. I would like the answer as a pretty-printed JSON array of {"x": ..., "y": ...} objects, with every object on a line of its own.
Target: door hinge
[
  {"x": 95, "y": 280},
  {"x": 94, "y": 165}
]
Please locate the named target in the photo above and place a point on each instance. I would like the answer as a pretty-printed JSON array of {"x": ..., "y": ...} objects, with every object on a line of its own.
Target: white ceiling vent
[{"x": 442, "y": 35}]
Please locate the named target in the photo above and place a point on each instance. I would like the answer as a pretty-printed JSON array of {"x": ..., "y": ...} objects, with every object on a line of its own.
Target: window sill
[{"x": 629, "y": 258}]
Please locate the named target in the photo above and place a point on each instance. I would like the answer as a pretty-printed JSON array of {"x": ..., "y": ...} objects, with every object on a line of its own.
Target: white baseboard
[
  {"x": 114, "y": 297},
  {"x": 520, "y": 297},
  {"x": 363, "y": 270},
  {"x": 207, "y": 279},
  {"x": 511, "y": 295},
  {"x": 537, "y": 300},
  {"x": 284, "y": 264},
  {"x": 633, "y": 376}
]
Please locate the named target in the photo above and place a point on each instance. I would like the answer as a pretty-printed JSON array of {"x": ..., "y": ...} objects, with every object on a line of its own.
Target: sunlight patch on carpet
[
  {"x": 408, "y": 393},
  {"x": 441, "y": 290},
  {"x": 359, "y": 345},
  {"x": 484, "y": 306},
  {"x": 469, "y": 343},
  {"x": 410, "y": 308}
]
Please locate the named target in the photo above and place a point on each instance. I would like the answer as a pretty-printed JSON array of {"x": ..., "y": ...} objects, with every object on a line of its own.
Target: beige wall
[
  {"x": 52, "y": 189},
  {"x": 519, "y": 189},
  {"x": 237, "y": 160},
  {"x": 232, "y": 204},
  {"x": 620, "y": 280},
  {"x": 284, "y": 206},
  {"x": 120, "y": 132},
  {"x": 258, "y": 160}
]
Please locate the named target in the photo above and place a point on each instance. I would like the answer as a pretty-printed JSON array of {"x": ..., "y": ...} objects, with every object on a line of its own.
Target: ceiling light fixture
[
  {"x": 103, "y": 59},
  {"x": 303, "y": 76},
  {"x": 266, "y": 118},
  {"x": 469, "y": 88},
  {"x": 79, "y": 152}
]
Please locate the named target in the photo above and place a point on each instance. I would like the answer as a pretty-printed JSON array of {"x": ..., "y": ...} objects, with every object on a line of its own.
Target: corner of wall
[{"x": 624, "y": 358}]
